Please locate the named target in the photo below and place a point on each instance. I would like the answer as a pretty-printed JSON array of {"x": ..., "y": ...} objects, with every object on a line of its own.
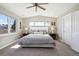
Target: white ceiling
[{"x": 52, "y": 9}]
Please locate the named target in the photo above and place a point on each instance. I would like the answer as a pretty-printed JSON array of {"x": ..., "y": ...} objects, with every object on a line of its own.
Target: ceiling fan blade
[
  {"x": 30, "y": 6},
  {"x": 42, "y": 3},
  {"x": 41, "y": 7}
]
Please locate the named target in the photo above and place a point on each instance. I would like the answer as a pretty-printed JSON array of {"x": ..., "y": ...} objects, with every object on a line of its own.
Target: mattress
[{"x": 36, "y": 39}]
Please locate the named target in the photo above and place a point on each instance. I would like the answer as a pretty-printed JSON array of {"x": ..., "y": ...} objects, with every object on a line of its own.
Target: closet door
[
  {"x": 75, "y": 31},
  {"x": 67, "y": 29}
]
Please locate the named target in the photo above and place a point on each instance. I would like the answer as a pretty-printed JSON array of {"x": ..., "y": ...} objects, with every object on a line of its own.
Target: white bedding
[{"x": 36, "y": 39}]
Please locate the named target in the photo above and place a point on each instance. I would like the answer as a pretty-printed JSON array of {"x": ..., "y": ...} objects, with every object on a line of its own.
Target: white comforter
[{"x": 36, "y": 39}]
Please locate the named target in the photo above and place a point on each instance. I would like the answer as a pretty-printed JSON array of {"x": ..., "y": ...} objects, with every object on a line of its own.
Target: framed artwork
[
  {"x": 20, "y": 25},
  {"x": 53, "y": 23}
]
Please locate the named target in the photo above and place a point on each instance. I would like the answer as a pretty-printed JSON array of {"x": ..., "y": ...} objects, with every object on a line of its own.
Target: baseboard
[
  {"x": 76, "y": 50},
  {"x": 8, "y": 44}
]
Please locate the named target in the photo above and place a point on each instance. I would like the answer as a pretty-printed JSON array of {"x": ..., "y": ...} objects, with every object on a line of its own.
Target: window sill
[{"x": 8, "y": 34}]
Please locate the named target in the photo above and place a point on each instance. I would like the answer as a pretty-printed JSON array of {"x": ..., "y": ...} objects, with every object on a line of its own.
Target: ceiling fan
[{"x": 37, "y": 5}]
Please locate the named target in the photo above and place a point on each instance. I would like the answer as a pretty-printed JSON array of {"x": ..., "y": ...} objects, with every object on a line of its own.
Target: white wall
[
  {"x": 7, "y": 38},
  {"x": 37, "y": 18},
  {"x": 60, "y": 28},
  {"x": 69, "y": 30}
]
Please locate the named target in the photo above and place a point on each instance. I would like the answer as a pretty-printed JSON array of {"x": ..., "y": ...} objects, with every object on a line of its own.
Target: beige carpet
[{"x": 60, "y": 50}]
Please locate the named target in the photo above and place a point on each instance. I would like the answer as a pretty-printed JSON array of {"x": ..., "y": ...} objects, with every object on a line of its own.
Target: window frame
[
  {"x": 9, "y": 32},
  {"x": 7, "y": 23},
  {"x": 39, "y": 25},
  {"x": 10, "y": 24},
  {"x": 40, "y": 21}
]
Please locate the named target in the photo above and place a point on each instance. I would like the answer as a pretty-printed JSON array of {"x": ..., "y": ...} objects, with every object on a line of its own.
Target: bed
[{"x": 37, "y": 40}]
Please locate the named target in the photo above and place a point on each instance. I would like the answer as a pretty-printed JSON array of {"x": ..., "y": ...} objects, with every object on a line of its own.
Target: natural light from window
[
  {"x": 39, "y": 23},
  {"x": 3, "y": 24},
  {"x": 15, "y": 46},
  {"x": 6, "y": 23}
]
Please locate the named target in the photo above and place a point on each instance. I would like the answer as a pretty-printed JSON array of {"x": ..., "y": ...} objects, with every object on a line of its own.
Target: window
[
  {"x": 39, "y": 23},
  {"x": 40, "y": 26},
  {"x": 31, "y": 23},
  {"x": 13, "y": 25},
  {"x": 3, "y": 24},
  {"x": 7, "y": 24},
  {"x": 47, "y": 23}
]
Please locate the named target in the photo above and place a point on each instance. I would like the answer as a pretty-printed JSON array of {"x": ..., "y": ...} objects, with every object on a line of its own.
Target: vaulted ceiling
[{"x": 52, "y": 9}]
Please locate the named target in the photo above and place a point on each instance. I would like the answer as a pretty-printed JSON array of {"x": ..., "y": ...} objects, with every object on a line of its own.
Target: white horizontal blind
[
  {"x": 39, "y": 26},
  {"x": 39, "y": 23}
]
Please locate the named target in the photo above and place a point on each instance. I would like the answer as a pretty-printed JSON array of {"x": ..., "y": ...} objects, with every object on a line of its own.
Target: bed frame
[{"x": 41, "y": 45}]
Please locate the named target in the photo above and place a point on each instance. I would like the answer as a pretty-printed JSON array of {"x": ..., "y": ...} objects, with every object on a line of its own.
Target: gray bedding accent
[{"x": 36, "y": 39}]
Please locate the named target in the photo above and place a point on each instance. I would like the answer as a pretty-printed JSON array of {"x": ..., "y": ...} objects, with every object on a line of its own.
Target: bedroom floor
[{"x": 60, "y": 50}]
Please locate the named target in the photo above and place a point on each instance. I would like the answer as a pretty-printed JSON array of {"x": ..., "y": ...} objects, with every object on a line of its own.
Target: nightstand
[
  {"x": 24, "y": 34},
  {"x": 54, "y": 36}
]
